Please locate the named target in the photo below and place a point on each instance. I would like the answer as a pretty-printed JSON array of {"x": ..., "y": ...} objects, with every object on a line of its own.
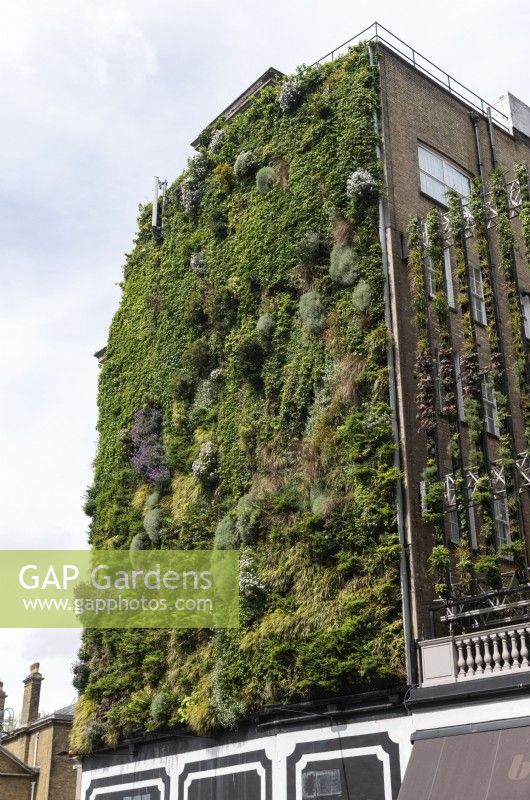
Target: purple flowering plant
[{"x": 148, "y": 459}]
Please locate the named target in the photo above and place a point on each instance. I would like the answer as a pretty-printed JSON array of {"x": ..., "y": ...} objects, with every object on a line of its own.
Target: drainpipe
[
  {"x": 492, "y": 140},
  {"x": 476, "y": 125},
  {"x": 78, "y": 766},
  {"x": 33, "y": 784},
  {"x": 410, "y": 654}
]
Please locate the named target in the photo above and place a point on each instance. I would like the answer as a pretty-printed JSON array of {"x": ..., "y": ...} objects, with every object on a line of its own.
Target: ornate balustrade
[{"x": 482, "y": 654}]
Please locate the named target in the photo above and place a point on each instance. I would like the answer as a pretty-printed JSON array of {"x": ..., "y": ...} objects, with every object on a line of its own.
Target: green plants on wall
[
  {"x": 274, "y": 428},
  {"x": 524, "y": 214}
]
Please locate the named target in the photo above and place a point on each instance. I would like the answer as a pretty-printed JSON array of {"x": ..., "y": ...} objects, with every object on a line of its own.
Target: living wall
[
  {"x": 243, "y": 403},
  {"x": 474, "y": 566}
]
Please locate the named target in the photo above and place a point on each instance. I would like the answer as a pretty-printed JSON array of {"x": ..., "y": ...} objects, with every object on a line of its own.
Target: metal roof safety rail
[{"x": 378, "y": 33}]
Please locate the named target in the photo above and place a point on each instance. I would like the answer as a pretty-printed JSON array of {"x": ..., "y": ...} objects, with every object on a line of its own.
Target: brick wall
[
  {"x": 57, "y": 778},
  {"x": 415, "y": 109}
]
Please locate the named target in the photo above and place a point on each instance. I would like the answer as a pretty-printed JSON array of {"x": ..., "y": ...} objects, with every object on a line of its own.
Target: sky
[{"x": 95, "y": 99}]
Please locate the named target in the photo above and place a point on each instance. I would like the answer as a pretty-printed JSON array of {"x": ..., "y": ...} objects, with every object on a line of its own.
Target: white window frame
[
  {"x": 478, "y": 305},
  {"x": 489, "y": 403},
  {"x": 430, "y": 277},
  {"x": 447, "y": 176},
  {"x": 423, "y": 497},
  {"x": 459, "y": 390},
  {"x": 450, "y": 288},
  {"x": 501, "y": 520},
  {"x": 525, "y": 305}
]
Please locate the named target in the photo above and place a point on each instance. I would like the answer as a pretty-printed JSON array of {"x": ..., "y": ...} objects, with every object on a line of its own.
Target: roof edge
[{"x": 242, "y": 101}]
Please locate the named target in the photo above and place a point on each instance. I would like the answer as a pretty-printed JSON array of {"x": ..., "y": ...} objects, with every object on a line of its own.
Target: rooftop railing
[{"x": 378, "y": 33}]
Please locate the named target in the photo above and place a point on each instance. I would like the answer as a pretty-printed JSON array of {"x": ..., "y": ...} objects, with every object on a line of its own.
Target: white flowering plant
[
  {"x": 198, "y": 263},
  {"x": 205, "y": 465},
  {"x": 190, "y": 196},
  {"x": 359, "y": 182},
  {"x": 216, "y": 140},
  {"x": 290, "y": 94},
  {"x": 248, "y": 580}
]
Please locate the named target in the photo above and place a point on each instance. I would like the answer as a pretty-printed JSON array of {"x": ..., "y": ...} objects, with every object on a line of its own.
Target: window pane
[
  {"x": 309, "y": 788},
  {"x": 449, "y": 278},
  {"x": 433, "y": 188},
  {"x": 502, "y": 520},
  {"x": 456, "y": 179},
  {"x": 454, "y": 532},
  {"x": 477, "y": 295},
  {"x": 431, "y": 163},
  {"x": 490, "y": 408},
  {"x": 472, "y": 528},
  {"x": 431, "y": 277},
  {"x": 328, "y": 783},
  {"x": 437, "y": 176}
]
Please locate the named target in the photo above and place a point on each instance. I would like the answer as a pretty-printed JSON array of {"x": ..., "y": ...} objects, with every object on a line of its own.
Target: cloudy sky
[{"x": 95, "y": 98}]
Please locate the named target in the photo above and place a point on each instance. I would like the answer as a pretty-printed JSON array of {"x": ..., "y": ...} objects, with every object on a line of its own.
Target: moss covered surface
[{"x": 265, "y": 421}]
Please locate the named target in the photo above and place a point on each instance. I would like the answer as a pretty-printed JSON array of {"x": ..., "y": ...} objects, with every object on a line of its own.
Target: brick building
[
  {"x": 34, "y": 763},
  {"x": 454, "y": 223}
]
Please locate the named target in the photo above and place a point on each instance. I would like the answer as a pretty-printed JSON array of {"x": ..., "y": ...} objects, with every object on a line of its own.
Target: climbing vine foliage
[{"x": 243, "y": 402}]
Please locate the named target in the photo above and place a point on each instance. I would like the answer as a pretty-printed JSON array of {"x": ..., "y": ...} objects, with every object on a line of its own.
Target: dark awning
[{"x": 483, "y": 765}]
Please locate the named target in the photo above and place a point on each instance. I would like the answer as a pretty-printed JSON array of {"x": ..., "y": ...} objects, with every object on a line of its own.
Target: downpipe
[{"x": 410, "y": 654}]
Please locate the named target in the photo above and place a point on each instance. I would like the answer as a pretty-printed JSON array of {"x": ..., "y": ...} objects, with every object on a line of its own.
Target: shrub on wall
[
  {"x": 290, "y": 94},
  {"x": 245, "y": 165},
  {"x": 265, "y": 179},
  {"x": 147, "y": 459},
  {"x": 312, "y": 311},
  {"x": 344, "y": 267}
]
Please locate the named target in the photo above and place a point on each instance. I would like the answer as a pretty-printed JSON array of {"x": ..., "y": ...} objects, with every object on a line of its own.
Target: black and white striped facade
[{"x": 362, "y": 756}]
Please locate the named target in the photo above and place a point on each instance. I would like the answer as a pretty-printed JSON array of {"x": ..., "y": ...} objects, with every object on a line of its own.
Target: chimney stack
[
  {"x": 30, "y": 703},
  {"x": 3, "y": 696}
]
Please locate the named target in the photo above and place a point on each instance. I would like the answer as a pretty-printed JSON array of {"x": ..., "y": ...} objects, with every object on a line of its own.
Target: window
[
  {"x": 501, "y": 520},
  {"x": 525, "y": 303},
  {"x": 472, "y": 528},
  {"x": 491, "y": 417},
  {"x": 321, "y": 783},
  {"x": 477, "y": 295},
  {"x": 430, "y": 277},
  {"x": 437, "y": 176},
  {"x": 423, "y": 497},
  {"x": 454, "y": 530},
  {"x": 451, "y": 512},
  {"x": 142, "y": 796},
  {"x": 449, "y": 279},
  {"x": 459, "y": 390}
]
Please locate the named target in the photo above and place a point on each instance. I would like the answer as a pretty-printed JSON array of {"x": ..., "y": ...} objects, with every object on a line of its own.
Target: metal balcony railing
[
  {"x": 378, "y": 33},
  {"x": 485, "y": 609}
]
